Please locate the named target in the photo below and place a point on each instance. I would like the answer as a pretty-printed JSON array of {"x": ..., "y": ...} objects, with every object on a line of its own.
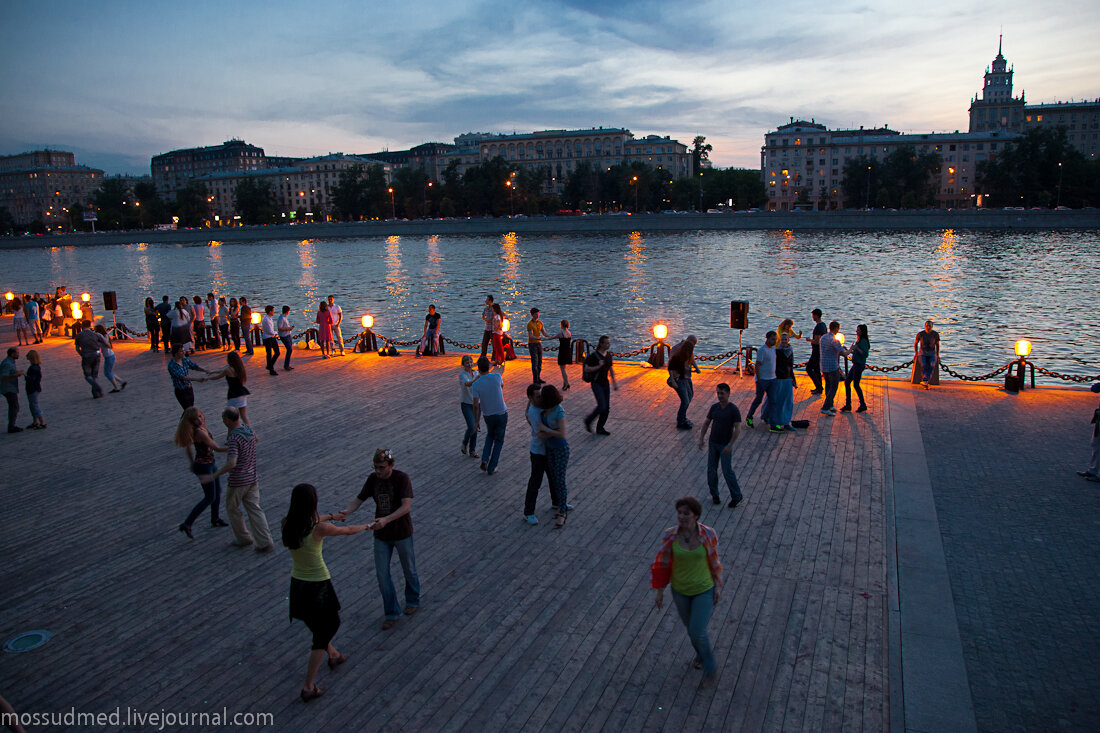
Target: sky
[{"x": 119, "y": 82}]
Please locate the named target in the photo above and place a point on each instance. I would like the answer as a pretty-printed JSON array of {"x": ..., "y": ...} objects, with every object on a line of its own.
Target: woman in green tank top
[
  {"x": 312, "y": 597},
  {"x": 688, "y": 560}
]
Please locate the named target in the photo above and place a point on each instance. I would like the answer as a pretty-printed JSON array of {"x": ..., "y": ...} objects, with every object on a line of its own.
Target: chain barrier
[
  {"x": 979, "y": 378},
  {"x": 720, "y": 357},
  {"x": 1066, "y": 377},
  {"x": 897, "y": 368},
  {"x": 121, "y": 331}
]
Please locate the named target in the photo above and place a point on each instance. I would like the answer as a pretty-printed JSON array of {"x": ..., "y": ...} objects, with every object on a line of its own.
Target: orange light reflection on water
[
  {"x": 635, "y": 265},
  {"x": 510, "y": 256}
]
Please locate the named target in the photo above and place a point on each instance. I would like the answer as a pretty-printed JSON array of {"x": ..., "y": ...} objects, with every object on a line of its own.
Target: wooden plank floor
[{"x": 521, "y": 628}]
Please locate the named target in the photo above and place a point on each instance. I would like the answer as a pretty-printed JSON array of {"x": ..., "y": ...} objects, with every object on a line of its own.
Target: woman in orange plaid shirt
[{"x": 688, "y": 559}]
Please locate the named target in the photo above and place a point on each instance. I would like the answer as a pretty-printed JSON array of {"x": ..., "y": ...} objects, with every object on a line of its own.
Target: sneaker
[
  {"x": 715, "y": 500},
  {"x": 776, "y": 429},
  {"x": 265, "y": 548},
  {"x": 733, "y": 503},
  {"x": 568, "y": 507},
  {"x": 827, "y": 413},
  {"x": 846, "y": 408},
  {"x": 601, "y": 431},
  {"x": 531, "y": 519},
  {"x": 748, "y": 421},
  {"x": 861, "y": 408}
]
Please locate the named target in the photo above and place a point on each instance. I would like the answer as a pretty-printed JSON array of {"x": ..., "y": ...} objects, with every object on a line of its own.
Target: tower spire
[{"x": 1000, "y": 40}]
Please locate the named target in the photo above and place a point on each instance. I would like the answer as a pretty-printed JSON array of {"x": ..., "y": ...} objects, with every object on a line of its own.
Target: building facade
[
  {"x": 306, "y": 186},
  {"x": 173, "y": 170},
  {"x": 41, "y": 186},
  {"x": 803, "y": 162}
]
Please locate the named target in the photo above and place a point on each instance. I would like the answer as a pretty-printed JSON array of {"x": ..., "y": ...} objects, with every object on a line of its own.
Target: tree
[
  {"x": 888, "y": 181},
  {"x": 255, "y": 201},
  {"x": 1041, "y": 169},
  {"x": 192, "y": 205},
  {"x": 700, "y": 151},
  {"x": 7, "y": 221},
  {"x": 150, "y": 207},
  {"x": 113, "y": 203}
]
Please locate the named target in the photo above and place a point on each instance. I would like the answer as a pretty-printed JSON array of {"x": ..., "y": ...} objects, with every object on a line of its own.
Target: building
[
  {"x": 998, "y": 109},
  {"x": 304, "y": 186},
  {"x": 174, "y": 170},
  {"x": 802, "y": 162},
  {"x": 43, "y": 184}
]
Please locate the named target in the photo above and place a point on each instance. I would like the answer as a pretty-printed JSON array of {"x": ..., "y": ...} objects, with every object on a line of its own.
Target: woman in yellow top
[
  {"x": 312, "y": 597},
  {"x": 787, "y": 327},
  {"x": 688, "y": 559}
]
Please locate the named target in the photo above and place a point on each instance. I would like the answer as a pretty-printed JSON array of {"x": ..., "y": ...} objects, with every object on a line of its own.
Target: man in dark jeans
[
  {"x": 813, "y": 364},
  {"x": 88, "y": 343},
  {"x": 163, "y": 309},
  {"x": 487, "y": 316},
  {"x": 9, "y": 386},
  {"x": 681, "y": 362},
  {"x": 599, "y": 369},
  {"x": 270, "y": 334}
]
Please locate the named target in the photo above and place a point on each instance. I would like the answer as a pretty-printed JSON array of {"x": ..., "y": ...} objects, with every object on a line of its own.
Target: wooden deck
[{"x": 521, "y": 628}]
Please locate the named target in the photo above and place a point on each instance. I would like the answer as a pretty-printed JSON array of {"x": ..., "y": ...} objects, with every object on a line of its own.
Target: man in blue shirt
[{"x": 488, "y": 392}]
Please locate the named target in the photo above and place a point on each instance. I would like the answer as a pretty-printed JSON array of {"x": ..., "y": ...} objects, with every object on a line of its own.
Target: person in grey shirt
[
  {"x": 765, "y": 373},
  {"x": 88, "y": 343}
]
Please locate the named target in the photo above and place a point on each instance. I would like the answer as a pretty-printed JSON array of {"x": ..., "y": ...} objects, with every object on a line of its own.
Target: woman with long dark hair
[
  {"x": 466, "y": 377},
  {"x": 193, "y": 436},
  {"x": 324, "y": 329},
  {"x": 235, "y": 376},
  {"x": 565, "y": 352},
  {"x": 498, "y": 334},
  {"x": 312, "y": 597},
  {"x": 181, "y": 326},
  {"x": 109, "y": 358},
  {"x": 152, "y": 324},
  {"x": 859, "y": 351},
  {"x": 779, "y": 407},
  {"x": 235, "y": 323},
  {"x": 688, "y": 561}
]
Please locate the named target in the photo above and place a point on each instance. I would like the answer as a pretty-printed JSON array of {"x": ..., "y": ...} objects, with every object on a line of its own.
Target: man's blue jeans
[
  {"x": 383, "y": 552},
  {"x": 469, "y": 440},
  {"x": 495, "y": 425},
  {"x": 695, "y": 612},
  {"x": 928, "y": 365},
  {"x": 714, "y": 457},
  {"x": 289, "y": 347},
  {"x": 602, "y": 392},
  {"x": 686, "y": 391},
  {"x": 762, "y": 387}
]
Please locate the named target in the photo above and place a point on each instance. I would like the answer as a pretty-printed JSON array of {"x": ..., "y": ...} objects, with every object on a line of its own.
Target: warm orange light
[
  {"x": 660, "y": 331},
  {"x": 255, "y": 318},
  {"x": 85, "y": 297},
  {"x": 9, "y": 296},
  {"x": 77, "y": 312},
  {"x": 368, "y": 321},
  {"x": 506, "y": 325},
  {"x": 840, "y": 338},
  {"x": 1023, "y": 348}
]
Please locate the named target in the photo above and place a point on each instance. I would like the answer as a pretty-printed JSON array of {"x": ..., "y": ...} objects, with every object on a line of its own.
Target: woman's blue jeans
[
  {"x": 469, "y": 440},
  {"x": 212, "y": 493},
  {"x": 695, "y": 612}
]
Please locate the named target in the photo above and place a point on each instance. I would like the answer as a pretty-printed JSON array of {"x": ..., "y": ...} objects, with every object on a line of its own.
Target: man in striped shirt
[{"x": 244, "y": 484}]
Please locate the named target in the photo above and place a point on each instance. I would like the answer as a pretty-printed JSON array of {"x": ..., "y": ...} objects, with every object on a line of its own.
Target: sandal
[
  {"x": 474, "y": 455},
  {"x": 559, "y": 520},
  {"x": 340, "y": 659},
  {"x": 313, "y": 694}
]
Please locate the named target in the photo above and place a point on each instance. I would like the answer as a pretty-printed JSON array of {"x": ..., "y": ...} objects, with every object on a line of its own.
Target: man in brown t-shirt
[{"x": 393, "y": 530}]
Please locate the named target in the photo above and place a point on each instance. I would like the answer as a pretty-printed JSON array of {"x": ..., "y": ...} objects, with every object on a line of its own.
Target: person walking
[
  {"x": 106, "y": 348},
  {"x": 466, "y": 379},
  {"x": 1092, "y": 473},
  {"x": 725, "y": 419},
  {"x": 926, "y": 351},
  {"x": 831, "y": 351},
  {"x": 193, "y": 436},
  {"x": 164, "y": 318},
  {"x": 598, "y": 370},
  {"x": 19, "y": 322},
  {"x": 33, "y": 315},
  {"x": 488, "y": 394},
  {"x": 859, "y": 351},
  {"x": 765, "y": 374},
  {"x": 9, "y": 386},
  {"x": 324, "y": 329},
  {"x": 87, "y": 344},
  {"x": 681, "y": 362},
  {"x": 235, "y": 375},
  {"x": 178, "y": 368},
  {"x": 337, "y": 314},
  {"x": 813, "y": 364},
  {"x": 235, "y": 323},
  {"x": 246, "y": 325},
  {"x": 688, "y": 561},
  {"x": 285, "y": 333},
  {"x": 392, "y": 493},
  {"x": 312, "y": 597},
  {"x": 32, "y": 383},
  {"x": 535, "y": 333},
  {"x": 270, "y": 335},
  {"x": 565, "y": 352},
  {"x": 779, "y": 408},
  {"x": 244, "y": 484},
  {"x": 487, "y": 318},
  {"x": 554, "y": 433},
  {"x": 537, "y": 452}
]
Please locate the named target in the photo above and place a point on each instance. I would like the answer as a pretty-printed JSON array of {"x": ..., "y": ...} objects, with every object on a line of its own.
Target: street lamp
[
  {"x": 393, "y": 208},
  {"x": 867, "y": 196},
  {"x": 634, "y": 183},
  {"x": 426, "y": 199},
  {"x": 657, "y": 349},
  {"x": 511, "y": 205},
  {"x": 1060, "y": 169}
]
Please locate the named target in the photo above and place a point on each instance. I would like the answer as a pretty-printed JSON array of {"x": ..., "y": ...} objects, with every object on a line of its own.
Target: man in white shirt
[
  {"x": 270, "y": 334},
  {"x": 337, "y": 314},
  {"x": 765, "y": 373}
]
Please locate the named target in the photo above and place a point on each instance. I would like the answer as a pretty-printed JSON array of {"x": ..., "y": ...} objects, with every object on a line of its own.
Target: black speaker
[
  {"x": 109, "y": 301},
  {"x": 739, "y": 314}
]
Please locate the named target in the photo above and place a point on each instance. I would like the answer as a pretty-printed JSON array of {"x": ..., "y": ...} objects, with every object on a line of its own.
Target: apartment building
[{"x": 41, "y": 185}]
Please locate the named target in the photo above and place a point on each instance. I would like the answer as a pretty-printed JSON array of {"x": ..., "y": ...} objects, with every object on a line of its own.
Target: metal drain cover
[{"x": 27, "y": 641}]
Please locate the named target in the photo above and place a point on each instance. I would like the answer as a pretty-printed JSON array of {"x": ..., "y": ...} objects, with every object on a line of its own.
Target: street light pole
[
  {"x": 393, "y": 207},
  {"x": 511, "y": 204},
  {"x": 1059, "y": 185},
  {"x": 426, "y": 199},
  {"x": 867, "y": 196},
  {"x": 634, "y": 182}
]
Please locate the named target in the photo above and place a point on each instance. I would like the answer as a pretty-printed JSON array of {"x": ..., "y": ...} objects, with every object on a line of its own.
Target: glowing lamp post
[
  {"x": 85, "y": 297},
  {"x": 506, "y": 325},
  {"x": 657, "y": 350},
  {"x": 256, "y": 335},
  {"x": 367, "y": 341},
  {"x": 840, "y": 340},
  {"x": 9, "y": 297},
  {"x": 1023, "y": 350}
]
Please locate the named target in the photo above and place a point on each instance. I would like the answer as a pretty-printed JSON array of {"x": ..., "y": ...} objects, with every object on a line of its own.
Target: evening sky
[{"x": 118, "y": 82}]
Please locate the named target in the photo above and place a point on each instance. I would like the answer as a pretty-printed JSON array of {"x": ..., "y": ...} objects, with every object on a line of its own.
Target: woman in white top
[
  {"x": 108, "y": 359},
  {"x": 181, "y": 326},
  {"x": 466, "y": 377}
]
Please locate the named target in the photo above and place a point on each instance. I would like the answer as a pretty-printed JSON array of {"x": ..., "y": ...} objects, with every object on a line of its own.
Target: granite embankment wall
[{"x": 982, "y": 220}]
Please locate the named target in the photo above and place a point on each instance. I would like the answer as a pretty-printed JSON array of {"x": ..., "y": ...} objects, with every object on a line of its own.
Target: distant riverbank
[{"x": 977, "y": 220}]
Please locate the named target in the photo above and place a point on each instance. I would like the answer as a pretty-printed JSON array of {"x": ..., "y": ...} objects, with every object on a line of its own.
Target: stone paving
[{"x": 1020, "y": 533}]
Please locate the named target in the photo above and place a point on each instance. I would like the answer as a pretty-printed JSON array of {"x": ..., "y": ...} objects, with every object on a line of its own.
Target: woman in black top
[
  {"x": 235, "y": 376},
  {"x": 192, "y": 435},
  {"x": 565, "y": 352},
  {"x": 152, "y": 324}
]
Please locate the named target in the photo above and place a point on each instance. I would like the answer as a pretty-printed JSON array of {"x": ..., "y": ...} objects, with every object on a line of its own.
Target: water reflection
[
  {"x": 433, "y": 269},
  {"x": 509, "y": 255},
  {"x": 397, "y": 287},
  {"x": 636, "y": 279}
]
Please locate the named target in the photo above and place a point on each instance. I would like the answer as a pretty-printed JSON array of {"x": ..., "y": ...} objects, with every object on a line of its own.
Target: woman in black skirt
[
  {"x": 565, "y": 353},
  {"x": 312, "y": 597}
]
